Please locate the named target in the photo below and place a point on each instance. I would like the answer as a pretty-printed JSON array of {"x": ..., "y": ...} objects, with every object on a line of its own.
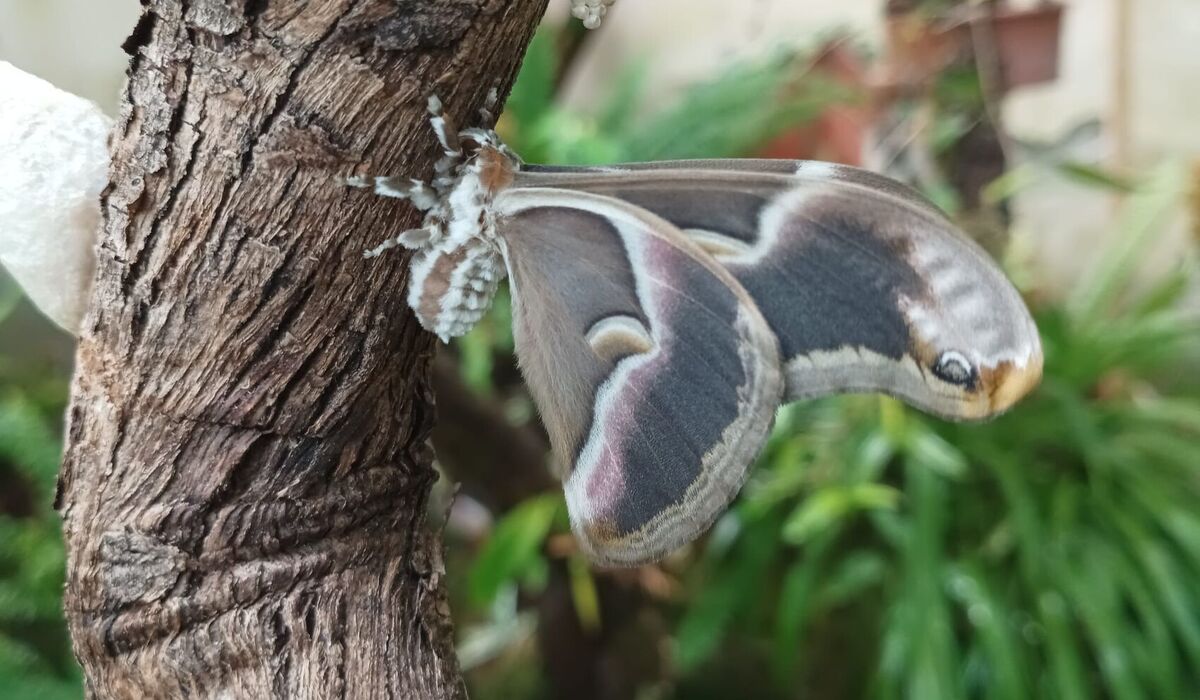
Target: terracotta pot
[
  {"x": 1028, "y": 44},
  {"x": 838, "y": 132},
  {"x": 838, "y": 135}
]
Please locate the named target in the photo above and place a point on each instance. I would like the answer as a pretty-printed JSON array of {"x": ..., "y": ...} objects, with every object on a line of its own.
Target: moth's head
[
  {"x": 971, "y": 334},
  {"x": 496, "y": 166}
]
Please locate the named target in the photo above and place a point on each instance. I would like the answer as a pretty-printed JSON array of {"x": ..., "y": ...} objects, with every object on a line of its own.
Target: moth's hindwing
[
  {"x": 868, "y": 287},
  {"x": 655, "y": 374}
]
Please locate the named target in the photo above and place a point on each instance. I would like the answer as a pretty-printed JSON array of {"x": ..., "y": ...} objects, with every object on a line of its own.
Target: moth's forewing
[
  {"x": 654, "y": 372},
  {"x": 867, "y": 285}
]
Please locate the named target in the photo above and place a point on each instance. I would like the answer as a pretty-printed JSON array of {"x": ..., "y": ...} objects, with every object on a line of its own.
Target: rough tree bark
[{"x": 246, "y": 473}]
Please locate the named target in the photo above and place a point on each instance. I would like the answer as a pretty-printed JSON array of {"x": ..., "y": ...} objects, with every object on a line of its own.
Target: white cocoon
[{"x": 53, "y": 164}]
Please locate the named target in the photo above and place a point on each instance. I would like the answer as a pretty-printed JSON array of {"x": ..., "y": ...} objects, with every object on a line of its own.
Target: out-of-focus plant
[
  {"x": 35, "y": 653},
  {"x": 879, "y": 552},
  {"x": 732, "y": 113}
]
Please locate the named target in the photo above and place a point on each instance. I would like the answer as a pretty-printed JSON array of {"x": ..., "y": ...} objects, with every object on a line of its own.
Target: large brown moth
[{"x": 663, "y": 311}]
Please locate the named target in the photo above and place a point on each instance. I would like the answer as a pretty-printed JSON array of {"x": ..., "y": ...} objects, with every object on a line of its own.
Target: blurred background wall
[{"x": 75, "y": 44}]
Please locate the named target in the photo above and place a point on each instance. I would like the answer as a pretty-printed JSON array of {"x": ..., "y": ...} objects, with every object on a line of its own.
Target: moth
[{"x": 663, "y": 311}]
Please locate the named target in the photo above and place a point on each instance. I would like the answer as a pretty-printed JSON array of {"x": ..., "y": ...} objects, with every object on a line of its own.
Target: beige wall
[{"x": 75, "y": 44}]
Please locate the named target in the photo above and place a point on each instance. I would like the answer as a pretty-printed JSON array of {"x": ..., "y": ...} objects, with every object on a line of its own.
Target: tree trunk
[{"x": 246, "y": 474}]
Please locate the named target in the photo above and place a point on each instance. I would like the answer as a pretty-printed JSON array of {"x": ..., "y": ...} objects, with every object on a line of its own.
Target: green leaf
[
  {"x": 1068, "y": 677},
  {"x": 1141, "y": 222},
  {"x": 795, "y": 607},
  {"x": 1000, "y": 648},
  {"x": 1016, "y": 180},
  {"x": 832, "y": 505},
  {"x": 710, "y": 120},
  {"x": 28, "y": 443},
  {"x": 584, "y": 594},
  {"x": 10, "y": 296},
  {"x": 926, "y": 619},
  {"x": 514, "y": 546},
  {"x": 475, "y": 359},
  {"x": 734, "y": 587},
  {"x": 617, "y": 115},
  {"x": 872, "y": 455},
  {"x": 1094, "y": 176},
  {"x": 1094, "y": 600},
  {"x": 856, "y": 573},
  {"x": 931, "y": 451},
  {"x": 532, "y": 95}
]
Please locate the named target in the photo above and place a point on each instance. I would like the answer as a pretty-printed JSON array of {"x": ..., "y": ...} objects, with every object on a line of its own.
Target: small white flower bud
[{"x": 591, "y": 12}]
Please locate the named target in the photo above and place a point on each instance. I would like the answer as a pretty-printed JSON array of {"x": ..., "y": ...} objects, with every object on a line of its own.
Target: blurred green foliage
[
  {"x": 727, "y": 116},
  {"x": 877, "y": 552},
  {"x": 35, "y": 653}
]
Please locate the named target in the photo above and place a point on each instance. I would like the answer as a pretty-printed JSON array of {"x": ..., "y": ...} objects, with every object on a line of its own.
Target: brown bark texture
[{"x": 247, "y": 468}]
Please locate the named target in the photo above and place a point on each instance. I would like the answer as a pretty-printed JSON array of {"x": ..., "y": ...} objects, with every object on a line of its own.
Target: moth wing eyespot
[
  {"x": 953, "y": 367},
  {"x": 618, "y": 336}
]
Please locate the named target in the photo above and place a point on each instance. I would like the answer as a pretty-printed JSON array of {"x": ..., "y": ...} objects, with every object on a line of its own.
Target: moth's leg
[
  {"x": 452, "y": 138},
  {"x": 487, "y": 113},
  {"x": 447, "y": 136},
  {"x": 412, "y": 239},
  {"x": 503, "y": 148},
  {"x": 444, "y": 129},
  {"x": 421, "y": 194}
]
